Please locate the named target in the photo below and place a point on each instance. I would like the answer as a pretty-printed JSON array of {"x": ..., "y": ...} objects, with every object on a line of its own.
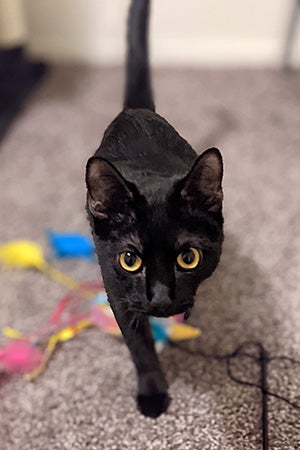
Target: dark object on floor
[
  {"x": 263, "y": 359},
  {"x": 18, "y": 77}
]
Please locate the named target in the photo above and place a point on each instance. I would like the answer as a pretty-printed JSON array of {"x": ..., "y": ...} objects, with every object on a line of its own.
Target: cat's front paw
[{"x": 153, "y": 405}]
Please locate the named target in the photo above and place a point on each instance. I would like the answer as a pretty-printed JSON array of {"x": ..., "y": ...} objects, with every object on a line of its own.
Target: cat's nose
[{"x": 160, "y": 296}]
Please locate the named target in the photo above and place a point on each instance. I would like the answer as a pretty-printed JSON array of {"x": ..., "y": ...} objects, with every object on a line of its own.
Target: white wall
[
  {"x": 190, "y": 32},
  {"x": 12, "y": 23}
]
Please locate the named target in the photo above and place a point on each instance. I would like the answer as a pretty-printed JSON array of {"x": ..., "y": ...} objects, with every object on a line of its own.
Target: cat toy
[
  {"x": 85, "y": 305},
  {"x": 28, "y": 254},
  {"x": 70, "y": 245}
]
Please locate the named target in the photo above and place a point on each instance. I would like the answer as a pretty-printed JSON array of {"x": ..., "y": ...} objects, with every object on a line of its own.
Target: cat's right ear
[{"x": 109, "y": 194}]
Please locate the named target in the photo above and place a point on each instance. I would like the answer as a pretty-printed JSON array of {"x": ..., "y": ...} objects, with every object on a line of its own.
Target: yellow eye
[
  {"x": 130, "y": 261},
  {"x": 189, "y": 259}
]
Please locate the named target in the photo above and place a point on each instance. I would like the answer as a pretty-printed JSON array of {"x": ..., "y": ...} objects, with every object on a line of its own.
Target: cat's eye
[
  {"x": 130, "y": 261},
  {"x": 189, "y": 259}
]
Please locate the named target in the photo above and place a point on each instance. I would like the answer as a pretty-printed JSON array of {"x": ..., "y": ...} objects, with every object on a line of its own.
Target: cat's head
[{"x": 154, "y": 252}]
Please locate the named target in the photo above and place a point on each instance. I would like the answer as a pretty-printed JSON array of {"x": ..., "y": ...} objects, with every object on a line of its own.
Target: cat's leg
[{"x": 152, "y": 398}]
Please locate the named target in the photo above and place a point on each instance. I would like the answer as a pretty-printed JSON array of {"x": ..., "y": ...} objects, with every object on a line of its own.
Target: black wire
[
  {"x": 264, "y": 390},
  {"x": 263, "y": 361},
  {"x": 284, "y": 358}
]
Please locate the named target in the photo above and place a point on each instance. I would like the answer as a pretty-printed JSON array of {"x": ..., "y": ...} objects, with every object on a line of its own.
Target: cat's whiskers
[
  {"x": 134, "y": 323},
  {"x": 123, "y": 300},
  {"x": 133, "y": 306},
  {"x": 136, "y": 309}
]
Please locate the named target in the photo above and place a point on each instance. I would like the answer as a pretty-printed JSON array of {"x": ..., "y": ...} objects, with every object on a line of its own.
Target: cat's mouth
[
  {"x": 170, "y": 311},
  {"x": 162, "y": 310}
]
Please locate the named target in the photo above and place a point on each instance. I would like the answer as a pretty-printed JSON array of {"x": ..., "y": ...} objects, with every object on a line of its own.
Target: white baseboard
[{"x": 164, "y": 52}]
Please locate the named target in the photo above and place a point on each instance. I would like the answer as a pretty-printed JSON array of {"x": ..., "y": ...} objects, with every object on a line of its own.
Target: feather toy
[{"x": 84, "y": 305}]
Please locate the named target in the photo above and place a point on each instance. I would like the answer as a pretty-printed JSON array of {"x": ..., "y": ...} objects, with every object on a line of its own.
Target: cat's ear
[
  {"x": 109, "y": 194},
  {"x": 203, "y": 184}
]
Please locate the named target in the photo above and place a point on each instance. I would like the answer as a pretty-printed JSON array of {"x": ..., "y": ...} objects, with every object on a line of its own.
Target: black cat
[{"x": 155, "y": 209}]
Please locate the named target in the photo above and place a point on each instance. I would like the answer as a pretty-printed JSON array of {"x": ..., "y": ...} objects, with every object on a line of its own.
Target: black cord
[
  {"x": 263, "y": 359},
  {"x": 264, "y": 390}
]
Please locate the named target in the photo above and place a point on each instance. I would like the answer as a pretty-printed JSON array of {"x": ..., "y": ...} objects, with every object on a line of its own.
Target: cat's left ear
[{"x": 202, "y": 187}]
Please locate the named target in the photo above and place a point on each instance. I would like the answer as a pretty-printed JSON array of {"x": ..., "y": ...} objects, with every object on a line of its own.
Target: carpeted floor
[{"x": 85, "y": 399}]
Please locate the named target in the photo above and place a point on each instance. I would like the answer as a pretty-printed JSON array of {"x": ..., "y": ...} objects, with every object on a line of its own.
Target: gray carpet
[{"x": 85, "y": 399}]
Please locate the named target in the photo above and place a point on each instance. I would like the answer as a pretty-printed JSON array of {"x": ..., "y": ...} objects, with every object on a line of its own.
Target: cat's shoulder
[
  {"x": 136, "y": 129},
  {"x": 140, "y": 121}
]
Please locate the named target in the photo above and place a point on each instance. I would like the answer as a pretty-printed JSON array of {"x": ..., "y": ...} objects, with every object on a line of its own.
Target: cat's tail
[{"x": 138, "y": 92}]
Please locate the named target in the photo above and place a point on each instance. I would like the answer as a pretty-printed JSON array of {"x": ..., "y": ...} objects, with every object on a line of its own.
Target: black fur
[{"x": 149, "y": 193}]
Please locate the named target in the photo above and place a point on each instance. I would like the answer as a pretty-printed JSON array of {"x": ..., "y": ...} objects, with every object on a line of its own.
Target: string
[
  {"x": 263, "y": 359},
  {"x": 58, "y": 276}
]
